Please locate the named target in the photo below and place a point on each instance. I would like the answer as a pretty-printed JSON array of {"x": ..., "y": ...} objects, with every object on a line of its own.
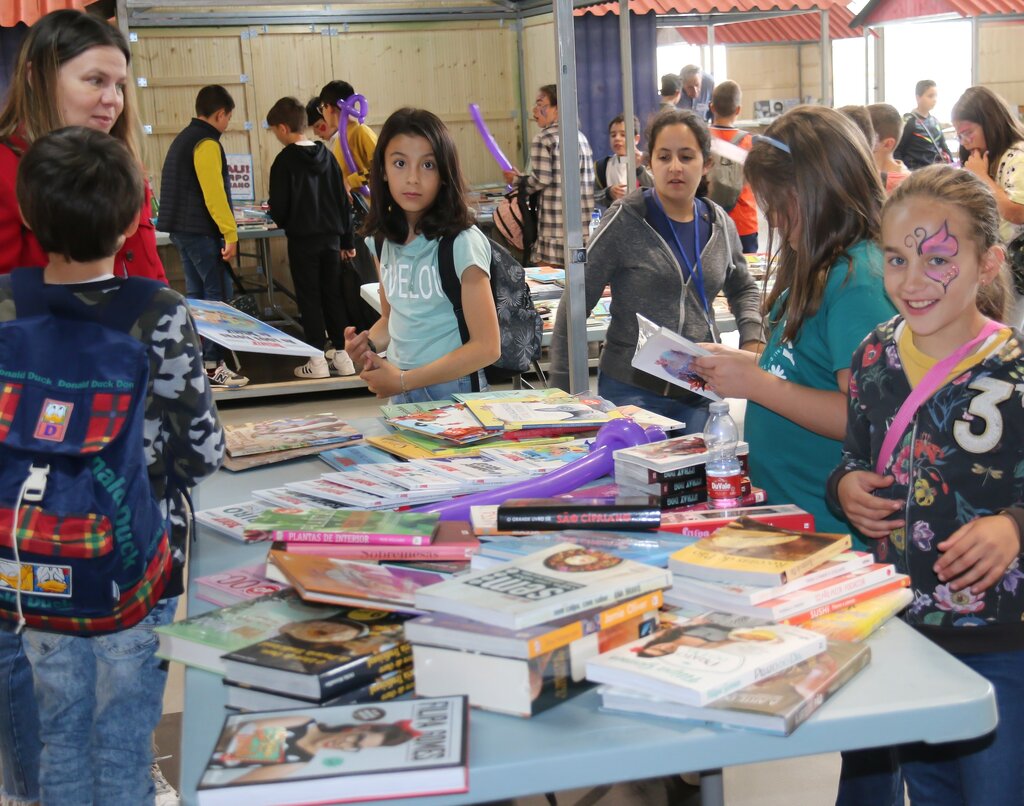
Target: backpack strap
[
  {"x": 738, "y": 137},
  {"x": 453, "y": 290},
  {"x": 378, "y": 247}
]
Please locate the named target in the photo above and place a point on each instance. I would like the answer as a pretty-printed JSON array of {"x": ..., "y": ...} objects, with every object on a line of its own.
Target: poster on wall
[
  {"x": 243, "y": 188},
  {"x": 230, "y": 328}
]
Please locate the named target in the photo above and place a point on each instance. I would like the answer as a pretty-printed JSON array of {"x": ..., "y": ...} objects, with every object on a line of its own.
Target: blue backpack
[{"x": 89, "y": 553}]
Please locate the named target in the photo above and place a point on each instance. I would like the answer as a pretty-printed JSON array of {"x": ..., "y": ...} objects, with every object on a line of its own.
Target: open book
[{"x": 669, "y": 356}]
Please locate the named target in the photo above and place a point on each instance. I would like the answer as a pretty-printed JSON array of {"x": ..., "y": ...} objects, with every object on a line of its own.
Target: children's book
[
  {"x": 243, "y": 697},
  {"x": 389, "y": 410},
  {"x": 553, "y": 413},
  {"x": 337, "y": 493},
  {"x": 229, "y": 327},
  {"x": 235, "y": 585},
  {"x": 318, "y": 660},
  {"x": 675, "y": 454},
  {"x": 777, "y": 705},
  {"x": 282, "y": 497},
  {"x": 413, "y": 476},
  {"x": 543, "y": 586},
  {"x": 750, "y": 552},
  {"x": 453, "y": 541},
  {"x": 349, "y": 582},
  {"x": 702, "y": 522},
  {"x": 512, "y": 394},
  {"x": 348, "y": 526},
  {"x": 516, "y": 686},
  {"x": 233, "y": 520},
  {"x": 648, "y": 418},
  {"x": 537, "y": 460},
  {"x": 665, "y": 354},
  {"x": 352, "y": 455},
  {"x": 473, "y": 473},
  {"x": 201, "y": 640},
  {"x": 400, "y": 748},
  {"x": 287, "y": 434},
  {"x": 544, "y": 274},
  {"x": 650, "y": 548},
  {"x": 454, "y": 424},
  {"x": 386, "y": 491},
  {"x": 858, "y": 622},
  {"x": 697, "y": 661},
  {"x": 456, "y": 632}
]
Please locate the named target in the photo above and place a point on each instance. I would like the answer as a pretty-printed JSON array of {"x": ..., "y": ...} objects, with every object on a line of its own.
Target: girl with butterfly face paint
[{"x": 946, "y": 500}]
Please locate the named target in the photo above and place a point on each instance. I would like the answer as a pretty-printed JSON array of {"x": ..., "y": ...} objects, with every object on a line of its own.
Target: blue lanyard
[{"x": 695, "y": 271}]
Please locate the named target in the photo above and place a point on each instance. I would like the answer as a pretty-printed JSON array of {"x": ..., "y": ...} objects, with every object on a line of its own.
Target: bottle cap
[{"x": 719, "y": 407}]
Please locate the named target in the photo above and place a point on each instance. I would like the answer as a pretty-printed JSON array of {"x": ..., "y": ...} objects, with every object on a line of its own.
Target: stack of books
[
  {"x": 671, "y": 472},
  {"x": 515, "y": 637},
  {"x": 777, "y": 574},
  {"x": 650, "y": 548},
  {"x": 269, "y": 441}
]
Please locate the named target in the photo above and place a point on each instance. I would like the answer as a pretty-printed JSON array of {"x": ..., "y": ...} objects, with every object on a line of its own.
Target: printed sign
[{"x": 243, "y": 187}]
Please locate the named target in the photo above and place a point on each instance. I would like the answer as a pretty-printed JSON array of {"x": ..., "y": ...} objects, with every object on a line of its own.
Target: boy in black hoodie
[{"x": 309, "y": 202}]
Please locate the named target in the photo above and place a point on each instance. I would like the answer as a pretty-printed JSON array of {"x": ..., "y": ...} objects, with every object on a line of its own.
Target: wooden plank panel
[{"x": 1001, "y": 60}]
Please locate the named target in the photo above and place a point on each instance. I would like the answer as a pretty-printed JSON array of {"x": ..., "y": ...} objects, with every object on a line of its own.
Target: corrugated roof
[
  {"x": 794, "y": 28},
  {"x": 880, "y": 11},
  {"x": 710, "y": 6},
  {"x": 28, "y": 11}
]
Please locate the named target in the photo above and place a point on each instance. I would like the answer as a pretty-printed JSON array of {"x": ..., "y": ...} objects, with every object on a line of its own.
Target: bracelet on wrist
[{"x": 401, "y": 380}]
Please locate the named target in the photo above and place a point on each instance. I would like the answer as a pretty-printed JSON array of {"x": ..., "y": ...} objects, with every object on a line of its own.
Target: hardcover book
[
  {"x": 243, "y": 697},
  {"x": 394, "y": 749},
  {"x": 542, "y": 586},
  {"x": 318, "y": 660},
  {"x": 235, "y": 585},
  {"x": 348, "y": 582},
  {"x": 707, "y": 657},
  {"x": 702, "y": 522},
  {"x": 777, "y": 705},
  {"x": 454, "y": 423},
  {"x": 347, "y": 526},
  {"x": 666, "y": 457},
  {"x": 750, "y": 552},
  {"x": 665, "y": 354},
  {"x": 233, "y": 520},
  {"x": 287, "y": 434},
  {"x": 201, "y": 640},
  {"x": 455, "y": 632},
  {"x": 515, "y": 686},
  {"x": 545, "y": 514},
  {"x": 453, "y": 540}
]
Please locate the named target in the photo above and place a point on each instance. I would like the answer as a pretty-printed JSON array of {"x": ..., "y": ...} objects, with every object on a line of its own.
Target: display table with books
[{"x": 910, "y": 691}]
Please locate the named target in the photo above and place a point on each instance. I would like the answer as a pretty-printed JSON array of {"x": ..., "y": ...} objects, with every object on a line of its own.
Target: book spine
[
  {"x": 844, "y": 602},
  {"x": 350, "y": 538},
  {"x": 830, "y": 570},
  {"x": 610, "y": 617},
  {"x": 810, "y": 563},
  {"x": 365, "y": 670},
  {"x": 610, "y": 517},
  {"x": 343, "y": 551}
]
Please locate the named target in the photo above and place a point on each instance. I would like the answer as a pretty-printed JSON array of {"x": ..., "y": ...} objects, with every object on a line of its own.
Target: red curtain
[{"x": 28, "y": 11}]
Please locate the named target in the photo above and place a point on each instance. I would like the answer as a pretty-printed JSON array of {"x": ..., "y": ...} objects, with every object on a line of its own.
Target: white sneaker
[
  {"x": 224, "y": 378},
  {"x": 166, "y": 795},
  {"x": 342, "y": 363},
  {"x": 316, "y": 367}
]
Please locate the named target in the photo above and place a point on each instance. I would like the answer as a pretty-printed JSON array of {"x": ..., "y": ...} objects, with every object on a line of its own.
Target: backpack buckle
[{"x": 35, "y": 484}]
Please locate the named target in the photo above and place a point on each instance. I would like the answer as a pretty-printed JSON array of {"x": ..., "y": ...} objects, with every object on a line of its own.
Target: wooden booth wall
[{"x": 1001, "y": 60}]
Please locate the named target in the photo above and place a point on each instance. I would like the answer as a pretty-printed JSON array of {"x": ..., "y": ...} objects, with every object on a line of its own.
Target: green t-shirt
[{"x": 789, "y": 461}]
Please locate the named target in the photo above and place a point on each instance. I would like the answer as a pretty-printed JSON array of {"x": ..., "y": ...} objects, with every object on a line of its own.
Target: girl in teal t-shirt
[
  {"x": 813, "y": 174},
  {"x": 417, "y": 198}
]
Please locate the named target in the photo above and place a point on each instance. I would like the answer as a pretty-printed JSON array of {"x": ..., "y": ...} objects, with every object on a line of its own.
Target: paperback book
[
  {"x": 553, "y": 413},
  {"x": 777, "y": 705},
  {"x": 651, "y": 548},
  {"x": 454, "y": 424},
  {"x": 858, "y": 622},
  {"x": 536, "y": 460},
  {"x": 400, "y": 748},
  {"x": 702, "y": 521},
  {"x": 244, "y": 697},
  {"x": 352, "y": 455},
  {"x": 348, "y": 582},
  {"x": 284, "y": 498},
  {"x": 233, "y": 520},
  {"x": 201, "y": 640},
  {"x": 705, "y": 658},
  {"x": 347, "y": 526},
  {"x": 546, "y": 514},
  {"x": 384, "y": 491},
  {"x": 235, "y": 585},
  {"x": 549, "y": 584},
  {"x": 665, "y": 354},
  {"x": 453, "y": 540},
  {"x": 348, "y": 497},
  {"x": 287, "y": 434},
  {"x": 750, "y": 552},
  {"x": 318, "y": 660}
]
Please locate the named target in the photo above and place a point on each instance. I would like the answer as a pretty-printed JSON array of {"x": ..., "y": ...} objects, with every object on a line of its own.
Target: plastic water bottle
[
  {"x": 723, "y": 470},
  {"x": 595, "y": 221}
]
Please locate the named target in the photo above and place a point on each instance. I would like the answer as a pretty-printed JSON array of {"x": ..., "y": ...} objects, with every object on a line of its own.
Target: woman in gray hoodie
[{"x": 666, "y": 253}]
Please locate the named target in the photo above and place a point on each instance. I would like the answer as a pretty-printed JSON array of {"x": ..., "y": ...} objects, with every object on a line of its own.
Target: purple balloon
[
  {"x": 489, "y": 141},
  {"x": 354, "y": 106},
  {"x": 616, "y": 434}
]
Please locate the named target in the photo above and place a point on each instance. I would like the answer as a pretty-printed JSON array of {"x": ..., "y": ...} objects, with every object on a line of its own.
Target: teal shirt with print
[
  {"x": 422, "y": 324},
  {"x": 789, "y": 461}
]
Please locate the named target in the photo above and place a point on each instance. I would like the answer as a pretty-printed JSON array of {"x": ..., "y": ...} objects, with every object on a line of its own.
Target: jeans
[
  {"x": 440, "y": 391},
  {"x": 206, "y": 275},
  {"x": 100, "y": 700},
  {"x": 870, "y": 776},
  {"x": 315, "y": 263},
  {"x": 978, "y": 772},
  {"x": 692, "y": 410},
  {"x": 19, "y": 720}
]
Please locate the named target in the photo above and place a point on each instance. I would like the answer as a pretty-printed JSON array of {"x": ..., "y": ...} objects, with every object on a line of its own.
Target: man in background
[{"x": 696, "y": 91}]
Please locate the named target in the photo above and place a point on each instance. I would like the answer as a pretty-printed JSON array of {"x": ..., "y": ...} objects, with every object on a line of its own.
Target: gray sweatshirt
[{"x": 629, "y": 255}]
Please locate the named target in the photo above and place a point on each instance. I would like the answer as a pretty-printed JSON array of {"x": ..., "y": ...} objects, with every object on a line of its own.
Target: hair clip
[{"x": 772, "y": 142}]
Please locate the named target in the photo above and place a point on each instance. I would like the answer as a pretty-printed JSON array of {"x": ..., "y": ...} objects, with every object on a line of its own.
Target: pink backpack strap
[{"x": 932, "y": 380}]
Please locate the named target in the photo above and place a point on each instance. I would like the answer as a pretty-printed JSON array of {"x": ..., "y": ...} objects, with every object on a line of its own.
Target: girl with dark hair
[
  {"x": 667, "y": 253},
  {"x": 814, "y": 177},
  {"x": 416, "y": 192},
  {"x": 992, "y": 148},
  {"x": 72, "y": 70}
]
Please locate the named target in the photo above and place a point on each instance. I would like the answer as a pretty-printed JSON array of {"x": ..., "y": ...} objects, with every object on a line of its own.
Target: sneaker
[
  {"x": 223, "y": 378},
  {"x": 342, "y": 364},
  {"x": 166, "y": 795},
  {"x": 316, "y": 367}
]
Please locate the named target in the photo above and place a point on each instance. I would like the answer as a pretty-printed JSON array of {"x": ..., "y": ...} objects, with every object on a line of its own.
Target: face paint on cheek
[{"x": 946, "y": 277}]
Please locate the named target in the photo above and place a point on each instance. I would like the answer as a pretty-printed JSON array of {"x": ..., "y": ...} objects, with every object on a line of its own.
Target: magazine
[
  {"x": 665, "y": 354},
  {"x": 286, "y": 434},
  {"x": 233, "y": 520}
]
